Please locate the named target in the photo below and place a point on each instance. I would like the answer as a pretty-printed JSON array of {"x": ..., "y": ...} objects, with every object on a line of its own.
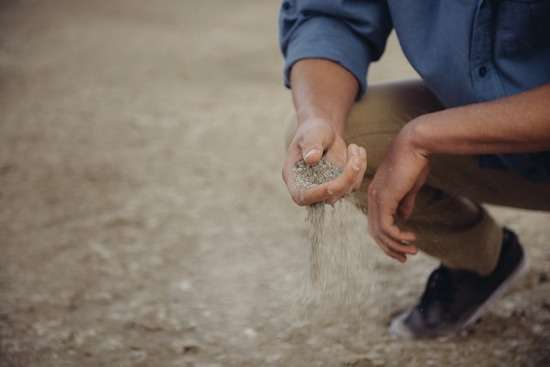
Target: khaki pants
[{"x": 448, "y": 218}]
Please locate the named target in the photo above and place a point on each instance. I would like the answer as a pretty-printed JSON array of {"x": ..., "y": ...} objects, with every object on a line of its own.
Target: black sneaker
[{"x": 454, "y": 299}]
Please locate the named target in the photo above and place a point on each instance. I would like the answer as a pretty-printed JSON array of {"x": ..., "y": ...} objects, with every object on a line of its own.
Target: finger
[
  {"x": 343, "y": 183},
  {"x": 335, "y": 199},
  {"x": 387, "y": 225},
  {"x": 297, "y": 194},
  {"x": 374, "y": 231},
  {"x": 316, "y": 194},
  {"x": 312, "y": 146},
  {"x": 293, "y": 155},
  {"x": 397, "y": 256},
  {"x": 407, "y": 205},
  {"x": 289, "y": 174},
  {"x": 384, "y": 242},
  {"x": 397, "y": 246},
  {"x": 313, "y": 155},
  {"x": 360, "y": 176},
  {"x": 379, "y": 231}
]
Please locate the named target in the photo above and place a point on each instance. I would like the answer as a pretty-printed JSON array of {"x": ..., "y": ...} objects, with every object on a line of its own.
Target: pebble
[
  {"x": 185, "y": 285},
  {"x": 186, "y": 347},
  {"x": 250, "y": 333},
  {"x": 138, "y": 356}
]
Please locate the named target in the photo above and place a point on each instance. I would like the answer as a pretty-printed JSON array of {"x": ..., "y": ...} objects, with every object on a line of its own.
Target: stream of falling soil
[{"x": 340, "y": 271}]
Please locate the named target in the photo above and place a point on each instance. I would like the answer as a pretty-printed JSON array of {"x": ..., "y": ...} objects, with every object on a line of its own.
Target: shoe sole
[
  {"x": 398, "y": 329},
  {"x": 520, "y": 270}
]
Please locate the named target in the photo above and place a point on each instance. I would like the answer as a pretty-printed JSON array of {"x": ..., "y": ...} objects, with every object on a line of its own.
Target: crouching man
[{"x": 475, "y": 129}]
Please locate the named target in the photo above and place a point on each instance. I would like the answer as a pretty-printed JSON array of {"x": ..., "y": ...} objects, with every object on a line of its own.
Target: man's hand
[
  {"x": 314, "y": 138},
  {"x": 323, "y": 93},
  {"x": 392, "y": 195},
  {"x": 515, "y": 124}
]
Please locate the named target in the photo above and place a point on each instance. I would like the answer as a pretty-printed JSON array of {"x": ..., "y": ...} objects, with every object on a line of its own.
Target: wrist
[{"x": 415, "y": 135}]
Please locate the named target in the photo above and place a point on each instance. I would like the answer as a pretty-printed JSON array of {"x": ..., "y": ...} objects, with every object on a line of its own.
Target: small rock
[
  {"x": 138, "y": 355},
  {"x": 251, "y": 333},
  {"x": 186, "y": 347},
  {"x": 537, "y": 329},
  {"x": 190, "y": 349},
  {"x": 185, "y": 285}
]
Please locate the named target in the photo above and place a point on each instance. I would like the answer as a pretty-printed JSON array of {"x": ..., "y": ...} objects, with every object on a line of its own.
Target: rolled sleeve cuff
[{"x": 326, "y": 38}]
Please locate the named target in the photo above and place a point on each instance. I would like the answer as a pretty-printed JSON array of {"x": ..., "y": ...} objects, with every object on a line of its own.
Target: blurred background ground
[{"x": 143, "y": 221}]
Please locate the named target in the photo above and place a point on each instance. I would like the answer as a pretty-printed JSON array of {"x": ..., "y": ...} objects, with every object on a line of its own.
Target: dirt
[
  {"x": 143, "y": 221},
  {"x": 318, "y": 174},
  {"x": 340, "y": 273}
]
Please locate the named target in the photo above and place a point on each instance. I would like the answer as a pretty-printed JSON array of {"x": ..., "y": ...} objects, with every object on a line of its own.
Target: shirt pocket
[{"x": 522, "y": 27}]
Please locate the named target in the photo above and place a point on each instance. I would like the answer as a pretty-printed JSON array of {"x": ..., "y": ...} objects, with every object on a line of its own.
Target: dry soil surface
[{"x": 143, "y": 221}]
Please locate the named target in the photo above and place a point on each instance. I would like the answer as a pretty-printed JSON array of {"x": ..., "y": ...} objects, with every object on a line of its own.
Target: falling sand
[{"x": 340, "y": 271}]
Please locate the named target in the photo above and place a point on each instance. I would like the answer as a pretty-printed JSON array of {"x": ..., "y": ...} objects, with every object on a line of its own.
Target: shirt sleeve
[{"x": 352, "y": 33}]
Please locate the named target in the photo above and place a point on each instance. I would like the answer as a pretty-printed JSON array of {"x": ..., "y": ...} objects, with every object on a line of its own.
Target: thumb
[
  {"x": 406, "y": 206},
  {"x": 312, "y": 147}
]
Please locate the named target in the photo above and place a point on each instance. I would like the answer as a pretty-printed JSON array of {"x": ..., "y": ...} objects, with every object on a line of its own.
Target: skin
[{"x": 323, "y": 94}]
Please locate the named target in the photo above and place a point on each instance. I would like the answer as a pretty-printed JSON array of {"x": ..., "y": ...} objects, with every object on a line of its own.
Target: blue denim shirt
[{"x": 466, "y": 51}]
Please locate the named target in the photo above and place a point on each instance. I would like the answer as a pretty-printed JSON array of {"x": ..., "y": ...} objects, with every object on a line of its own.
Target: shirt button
[
  {"x": 286, "y": 5},
  {"x": 482, "y": 71}
]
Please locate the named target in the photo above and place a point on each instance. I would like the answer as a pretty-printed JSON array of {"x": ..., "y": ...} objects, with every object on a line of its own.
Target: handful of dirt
[{"x": 309, "y": 176}]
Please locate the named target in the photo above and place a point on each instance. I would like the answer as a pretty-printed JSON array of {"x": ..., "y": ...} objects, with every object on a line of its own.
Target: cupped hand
[
  {"x": 313, "y": 140},
  {"x": 392, "y": 194}
]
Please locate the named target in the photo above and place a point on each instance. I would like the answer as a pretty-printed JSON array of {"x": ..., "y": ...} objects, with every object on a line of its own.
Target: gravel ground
[{"x": 143, "y": 221}]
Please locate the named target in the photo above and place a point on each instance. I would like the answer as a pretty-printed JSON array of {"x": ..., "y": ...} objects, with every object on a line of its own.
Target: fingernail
[
  {"x": 355, "y": 165},
  {"x": 312, "y": 151}
]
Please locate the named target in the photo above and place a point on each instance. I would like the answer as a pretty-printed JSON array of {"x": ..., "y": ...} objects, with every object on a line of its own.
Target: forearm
[
  {"x": 520, "y": 123},
  {"x": 323, "y": 90}
]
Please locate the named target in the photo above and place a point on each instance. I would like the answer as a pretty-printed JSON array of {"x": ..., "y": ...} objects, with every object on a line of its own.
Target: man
[{"x": 475, "y": 130}]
